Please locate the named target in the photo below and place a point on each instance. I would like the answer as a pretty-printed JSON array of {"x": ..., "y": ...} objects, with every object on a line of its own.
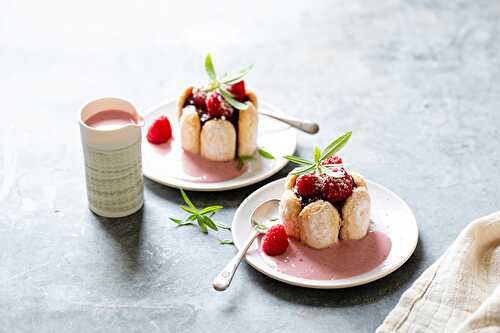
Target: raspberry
[
  {"x": 238, "y": 91},
  {"x": 334, "y": 159},
  {"x": 335, "y": 189},
  {"x": 275, "y": 241},
  {"x": 199, "y": 97},
  {"x": 160, "y": 131},
  {"x": 226, "y": 109},
  {"x": 307, "y": 185},
  {"x": 213, "y": 101}
]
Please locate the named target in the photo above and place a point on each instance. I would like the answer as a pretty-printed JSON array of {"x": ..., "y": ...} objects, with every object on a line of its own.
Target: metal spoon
[
  {"x": 261, "y": 215},
  {"x": 305, "y": 126}
]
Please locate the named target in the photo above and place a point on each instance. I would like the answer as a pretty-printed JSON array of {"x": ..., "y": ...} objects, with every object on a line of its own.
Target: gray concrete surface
[{"x": 417, "y": 82}]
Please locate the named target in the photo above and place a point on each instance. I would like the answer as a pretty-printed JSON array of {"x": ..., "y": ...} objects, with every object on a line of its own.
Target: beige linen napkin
[{"x": 460, "y": 292}]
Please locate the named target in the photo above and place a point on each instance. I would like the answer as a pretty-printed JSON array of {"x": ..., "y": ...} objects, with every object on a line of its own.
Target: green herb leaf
[
  {"x": 274, "y": 219},
  {"x": 189, "y": 210},
  {"x": 201, "y": 224},
  {"x": 303, "y": 170},
  {"x": 223, "y": 226},
  {"x": 226, "y": 242},
  {"x": 229, "y": 98},
  {"x": 335, "y": 145},
  {"x": 186, "y": 199},
  {"x": 260, "y": 228},
  {"x": 265, "y": 154},
  {"x": 327, "y": 171},
  {"x": 202, "y": 217},
  {"x": 179, "y": 222},
  {"x": 231, "y": 79},
  {"x": 209, "y": 67},
  {"x": 210, "y": 209},
  {"x": 298, "y": 160},
  {"x": 176, "y": 221},
  {"x": 317, "y": 154},
  {"x": 242, "y": 160},
  {"x": 209, "y": 223}
]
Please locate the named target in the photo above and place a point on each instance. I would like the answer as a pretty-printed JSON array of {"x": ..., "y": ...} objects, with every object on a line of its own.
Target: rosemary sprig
[
  {"x": 221, "y": 84},
  {"x": 203, "y": 217},
  {"x": 315, "y": 166}
]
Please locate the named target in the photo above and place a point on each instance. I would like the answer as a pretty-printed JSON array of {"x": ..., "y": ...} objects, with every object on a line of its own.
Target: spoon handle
[
  {"x": 223, "y": 280},
  {"x": 305, "y": 126}
]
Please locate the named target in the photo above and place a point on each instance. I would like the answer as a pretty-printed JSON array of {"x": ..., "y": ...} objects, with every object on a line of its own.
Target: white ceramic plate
[
  {"x": 390, "y": 214},
  {"x": 275, "y": 137}
]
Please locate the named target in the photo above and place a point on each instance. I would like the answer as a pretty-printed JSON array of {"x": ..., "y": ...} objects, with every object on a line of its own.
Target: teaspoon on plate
[
  {"x": 304, "y": 126},
  {"x": 261, "y": 215}
]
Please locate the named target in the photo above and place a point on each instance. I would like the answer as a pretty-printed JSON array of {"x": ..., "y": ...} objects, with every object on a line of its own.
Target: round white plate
[
  {"x": 390, "y": 214},
  {"x": 275, "y": 137}
]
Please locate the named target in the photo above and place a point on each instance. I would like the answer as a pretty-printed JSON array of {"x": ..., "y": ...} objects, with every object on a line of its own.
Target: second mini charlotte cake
[
  {"x": 219, "y": 121},
  {"x": 327, "y": 204}
]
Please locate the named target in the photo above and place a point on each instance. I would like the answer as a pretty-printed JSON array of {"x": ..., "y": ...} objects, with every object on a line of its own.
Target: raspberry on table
[{"x": 160, "y": 131}]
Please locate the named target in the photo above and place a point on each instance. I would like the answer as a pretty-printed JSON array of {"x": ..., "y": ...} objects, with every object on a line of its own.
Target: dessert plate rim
[
  {"x": 279, "y": 163},
  {"x": 254, "y": 259}
]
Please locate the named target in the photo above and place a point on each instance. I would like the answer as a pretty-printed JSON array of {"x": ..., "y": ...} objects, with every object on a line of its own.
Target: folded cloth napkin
[{"x": 460, "y": 292}]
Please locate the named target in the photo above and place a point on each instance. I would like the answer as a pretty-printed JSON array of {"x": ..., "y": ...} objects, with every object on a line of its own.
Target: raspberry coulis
[{"x": 344, "y": 259}]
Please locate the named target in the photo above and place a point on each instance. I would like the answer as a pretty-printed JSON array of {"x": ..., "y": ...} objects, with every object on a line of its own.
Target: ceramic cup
[{"x": 113, "y": 168}]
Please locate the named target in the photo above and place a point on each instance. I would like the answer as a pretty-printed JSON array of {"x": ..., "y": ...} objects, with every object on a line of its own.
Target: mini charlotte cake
[
  {"x": 219, "y": 121},
  {"x": 323, "y": 202}
]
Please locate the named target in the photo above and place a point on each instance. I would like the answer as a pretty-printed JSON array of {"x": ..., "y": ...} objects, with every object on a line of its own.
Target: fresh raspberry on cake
[
  {"x": 307, "y": 185},
  {"x": 160, "y": 131},
  {"x": 238, "y": 91},
  {"x": 334, "y": 159},
  {"x": 226, "y": 109},
  {"x": 213, "y": 101},
  {"x": 199, "y": 98},
  {"x": 275, "y": 241},
  {"x": 335, "y": 189}
]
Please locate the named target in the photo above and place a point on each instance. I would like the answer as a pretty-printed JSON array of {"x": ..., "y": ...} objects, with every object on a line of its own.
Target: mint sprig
[
  {"x": 203, "y": 217},
  {"x": 315, "y": 166},
  {"x": 221, "y": 84}
]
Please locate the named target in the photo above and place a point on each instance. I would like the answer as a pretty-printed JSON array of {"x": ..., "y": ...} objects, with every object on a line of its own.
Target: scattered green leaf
[
  {"x": 265, "y": 154},
  {"x": 226, "y": 242},
  {"x": 242, "y": 160},
  {"x": 202, "y": 217},
  {"x": 223, "y": 226}
]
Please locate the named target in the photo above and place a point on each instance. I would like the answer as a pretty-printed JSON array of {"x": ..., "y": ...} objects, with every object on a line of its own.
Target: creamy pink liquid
[
  {"x": 110, "y": 119},
  {"x": 344, "y": 259},
  {"x": 169, "y": 158},
  {"x": 206, "y": 171}
]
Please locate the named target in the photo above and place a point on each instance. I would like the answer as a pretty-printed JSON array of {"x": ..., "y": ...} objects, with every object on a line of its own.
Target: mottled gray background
[{"x": 417, "y": 82}]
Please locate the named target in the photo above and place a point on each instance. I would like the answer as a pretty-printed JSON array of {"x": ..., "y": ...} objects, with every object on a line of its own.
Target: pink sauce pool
[
  {"x": 342, "y": 260},
  {"x": 171, "y": 160},
  {"x": 110, "y": 119},
  {"x": 206, "y": 171}
]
